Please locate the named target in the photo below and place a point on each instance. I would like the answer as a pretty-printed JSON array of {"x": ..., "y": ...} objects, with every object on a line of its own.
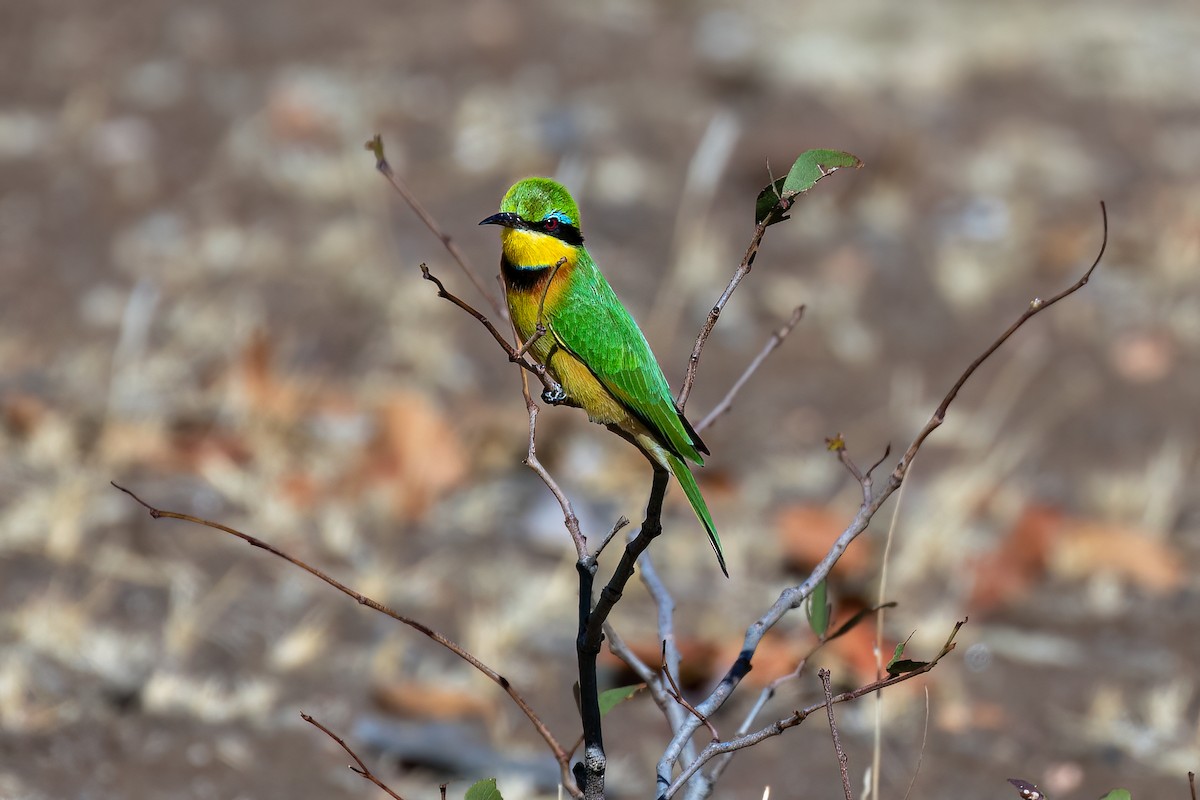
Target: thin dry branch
[
  {"x": 793, "y": 596},
  {"x": 677, "y": 695},
  {"x": 375, "y": 145},
  {"x": 664, "y": 604},
  {"x": 515, "y": 355},
  {"x": 743, "y": 269},
  {"x": 362, "y": 768},
  {"x": 719, "y": 765},
  {"x": 843, "y": 761},
  {"x": 560, "y": 754},
  {"x": 797, "y": 717},
  {"x": 776, "y": 339},
  {"x": 1036, "y": 306},
  {"x": 570, "y": 520},
  {"x": 714, "y": 313}
]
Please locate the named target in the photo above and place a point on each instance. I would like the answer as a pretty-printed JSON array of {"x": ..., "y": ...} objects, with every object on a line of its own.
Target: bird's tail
[{"x": 688, "y": 481}]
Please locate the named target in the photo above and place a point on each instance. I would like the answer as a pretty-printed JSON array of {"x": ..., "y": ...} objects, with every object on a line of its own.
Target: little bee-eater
[{"x": 591, "y": 345}]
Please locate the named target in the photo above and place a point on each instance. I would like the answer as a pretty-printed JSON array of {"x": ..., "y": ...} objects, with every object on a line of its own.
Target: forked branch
[
  {"x": 792, "y": 597},
  {"x": 560, "y": 754}
]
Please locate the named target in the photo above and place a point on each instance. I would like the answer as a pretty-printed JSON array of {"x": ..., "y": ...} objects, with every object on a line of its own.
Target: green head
[{"x": 541, "y": 205}]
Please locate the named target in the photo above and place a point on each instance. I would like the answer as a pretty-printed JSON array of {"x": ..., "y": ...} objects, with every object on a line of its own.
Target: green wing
[{"x": 593, "y": 325}]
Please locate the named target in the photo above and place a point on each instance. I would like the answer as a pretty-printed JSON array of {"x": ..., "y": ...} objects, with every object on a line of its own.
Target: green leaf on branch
[
  {"x": 611, "y": 698},
  {"x": 483, "y": 790},
  {"x": 903, "y": 665},
  {"x": 768, "y": 198},
  {"x": 1118, "y": 794},
  {"x": 896, "y": 654},
  {"x": 819, "y": 610},
  {"x": 812, "y": 165}
]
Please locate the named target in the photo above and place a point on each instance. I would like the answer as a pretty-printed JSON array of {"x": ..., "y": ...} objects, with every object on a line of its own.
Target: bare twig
[
  {"x": 1192, "y": 784},
  {"x": 1036, "y": 306},
  {"x": 714, "y": 749},
  {"x": 677, "y": 695},
  {"x": 714, "y": 313},
  {"x": 559, "y": 754},
  {"x": 652, "y": 678},
  {"x": 843, "y": 761},
  {"x": 792, "y": 597},
  {"x": 375, "y": 145},
  {"x": 776, "y": 339},
  {"x": 621, "y": 523},
  {"x": 517, "y": 356},
  {"x": 362, "y": 768},
  {"x": 570, "y": 520},
  {"x": 719, "y": 764}
]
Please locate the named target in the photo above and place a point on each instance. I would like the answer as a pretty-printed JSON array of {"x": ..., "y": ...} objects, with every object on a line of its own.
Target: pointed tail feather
[{"x": 688, "y": 482}]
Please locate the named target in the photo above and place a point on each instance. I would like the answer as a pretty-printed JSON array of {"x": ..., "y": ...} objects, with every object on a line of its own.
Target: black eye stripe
[{"x": 553, "y": 226}]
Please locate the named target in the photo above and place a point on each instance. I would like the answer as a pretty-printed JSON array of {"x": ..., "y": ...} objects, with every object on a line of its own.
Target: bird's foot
[{"x": 554, "y": 397}]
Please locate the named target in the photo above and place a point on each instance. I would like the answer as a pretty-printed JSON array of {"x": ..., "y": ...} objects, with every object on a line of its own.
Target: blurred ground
[{"x": 206, "y": 294}]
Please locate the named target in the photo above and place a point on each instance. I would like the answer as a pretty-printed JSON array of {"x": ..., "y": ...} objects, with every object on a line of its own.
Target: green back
[{"x": 593, "y": 325}]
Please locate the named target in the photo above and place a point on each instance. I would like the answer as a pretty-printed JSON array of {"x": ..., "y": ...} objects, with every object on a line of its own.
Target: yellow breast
[{"x": 531, "y": 248}]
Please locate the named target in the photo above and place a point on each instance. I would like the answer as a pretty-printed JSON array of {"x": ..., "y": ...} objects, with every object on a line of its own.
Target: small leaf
[
  {"x": 818, "y": 610},
  {"x": 810, "y": 167},
  {"x": 611, "y": 698},
  {"x": 767, "y": 199},
  {"x": 1118, "y": 794},
  {"x": 483, "y": 790},
  {"x": 813, "y": 165},
  {"x": 899, "y": 651},
  {"x": 899, "y": 667}
]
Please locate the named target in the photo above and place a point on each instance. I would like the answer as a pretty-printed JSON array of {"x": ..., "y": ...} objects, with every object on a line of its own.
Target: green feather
[
  {"x": 594, "y": 326},
  {"x": 688, "y": 482},
  {"x": 591, "y": 323}
]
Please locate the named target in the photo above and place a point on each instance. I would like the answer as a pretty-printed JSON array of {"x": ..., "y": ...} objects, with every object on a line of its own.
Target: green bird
[{"x": 592, "y": 346}]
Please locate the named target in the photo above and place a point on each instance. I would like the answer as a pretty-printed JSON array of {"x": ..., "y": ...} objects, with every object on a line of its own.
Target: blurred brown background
[{"x": 208, "y": 295}]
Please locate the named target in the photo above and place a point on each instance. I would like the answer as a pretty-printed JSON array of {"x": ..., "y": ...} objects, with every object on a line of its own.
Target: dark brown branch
[
  {"x": 776, "y": 339},
  {"x": 375, "y": 145},
  {"x": 823, "y": 674},
  {"x": 362, "y": 768},
  {"x": 559, "y": 754},
  {"x": 590, "y": 773}
]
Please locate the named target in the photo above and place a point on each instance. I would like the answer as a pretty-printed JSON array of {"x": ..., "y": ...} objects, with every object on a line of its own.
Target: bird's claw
[{"x": 554, "y": 396}]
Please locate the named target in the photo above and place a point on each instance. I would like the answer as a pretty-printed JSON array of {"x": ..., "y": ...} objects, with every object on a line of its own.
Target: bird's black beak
[{"x": 505, "y": 218}]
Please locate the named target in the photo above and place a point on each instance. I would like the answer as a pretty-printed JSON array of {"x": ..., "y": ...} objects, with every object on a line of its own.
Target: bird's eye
[{"x": 551, "y": 224}]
